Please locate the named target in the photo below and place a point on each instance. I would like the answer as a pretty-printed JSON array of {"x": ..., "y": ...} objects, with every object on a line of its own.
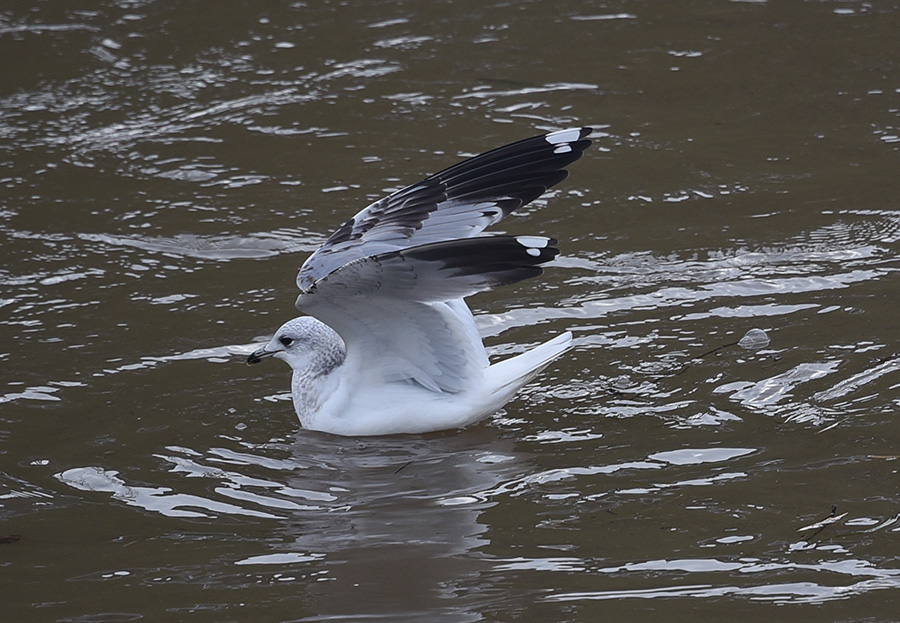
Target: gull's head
[{"x": 300, "y": 342}]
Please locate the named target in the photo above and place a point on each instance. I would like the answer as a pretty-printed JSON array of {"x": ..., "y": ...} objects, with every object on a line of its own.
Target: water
[{"x": 721, "y": 445}]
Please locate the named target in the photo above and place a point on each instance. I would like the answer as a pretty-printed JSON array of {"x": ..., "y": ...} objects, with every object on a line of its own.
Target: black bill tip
[{"x": 257, "y": 356}]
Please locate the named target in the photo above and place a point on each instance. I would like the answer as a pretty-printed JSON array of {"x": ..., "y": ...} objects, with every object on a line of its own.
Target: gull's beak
[{"x": 259, "y": 355}]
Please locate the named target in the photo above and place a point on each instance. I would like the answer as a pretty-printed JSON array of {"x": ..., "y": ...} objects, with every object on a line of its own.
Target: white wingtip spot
[
  {"x": 533, "y": 252},
  {"x": 533, "y": 242},
  {"x": 563, "y": 136},
  {"x": 563, "y": 149}
]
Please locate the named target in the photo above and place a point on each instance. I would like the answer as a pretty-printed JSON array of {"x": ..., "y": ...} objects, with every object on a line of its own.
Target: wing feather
[
  {"x": 458, "y": 202},
  {"x": 435, "y": 272}
]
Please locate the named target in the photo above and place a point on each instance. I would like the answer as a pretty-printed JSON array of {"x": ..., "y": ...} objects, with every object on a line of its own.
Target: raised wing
[
  {"x": 458, "y": 202},
  {"x": 391, "y": 281},
  {"x": 401, "y": 313},
  {"x": 437, "y": 272}
]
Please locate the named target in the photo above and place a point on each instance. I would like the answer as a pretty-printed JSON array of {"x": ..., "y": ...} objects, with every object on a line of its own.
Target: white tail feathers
[{"x": 506, "y": 377}]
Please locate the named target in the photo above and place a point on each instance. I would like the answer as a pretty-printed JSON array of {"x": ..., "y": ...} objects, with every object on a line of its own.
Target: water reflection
[
  {"x": 336, "y": 512},
  {"x": 422, "y": 507},
  {"x": 346, "y": 513}
]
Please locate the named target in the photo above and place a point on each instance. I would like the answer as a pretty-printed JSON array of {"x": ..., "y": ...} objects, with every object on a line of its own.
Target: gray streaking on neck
[{"x": 314, "y": 351}]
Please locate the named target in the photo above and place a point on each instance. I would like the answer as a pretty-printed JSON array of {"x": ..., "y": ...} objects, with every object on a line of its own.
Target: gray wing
[
  {"x": 458, "y": 202},
  {"x": 437, "y": 272},
  {"x": 401, "y": 313}
]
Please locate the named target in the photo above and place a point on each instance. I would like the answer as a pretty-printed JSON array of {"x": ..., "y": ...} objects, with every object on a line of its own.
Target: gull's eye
[{"x": 285, "y": 340}]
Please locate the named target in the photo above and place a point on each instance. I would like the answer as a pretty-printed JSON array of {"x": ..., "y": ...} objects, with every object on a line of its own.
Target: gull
[{"x": 388, "y": 345}]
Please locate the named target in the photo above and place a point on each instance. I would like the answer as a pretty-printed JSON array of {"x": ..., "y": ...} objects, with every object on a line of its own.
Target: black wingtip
[
  {"x": 501, "y": 260},
  {"x": 522, "y": 171}
]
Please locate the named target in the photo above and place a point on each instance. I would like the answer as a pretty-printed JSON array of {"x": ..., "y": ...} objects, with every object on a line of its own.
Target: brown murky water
[{"x": 166, "y": 167}]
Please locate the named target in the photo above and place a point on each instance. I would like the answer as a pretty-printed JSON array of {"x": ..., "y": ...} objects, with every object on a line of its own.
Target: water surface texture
[{"x": 722, "y": 443}]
